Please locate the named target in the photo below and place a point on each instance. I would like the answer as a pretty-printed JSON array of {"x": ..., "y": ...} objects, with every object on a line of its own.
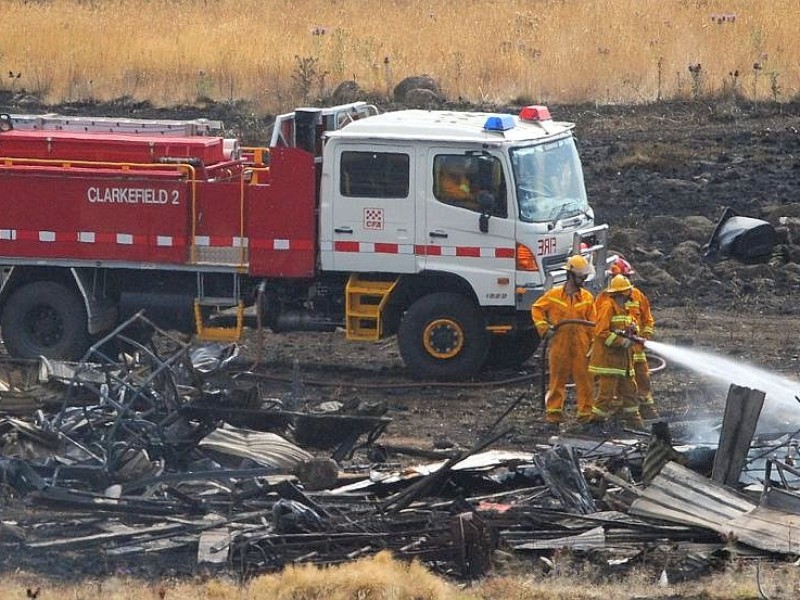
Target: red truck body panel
[
  {"x": 154, "y": 214},
  {"x": 282, "y": 218},
  {"x": 68, "y": 145},
  {"x": 93, "y": 215}
]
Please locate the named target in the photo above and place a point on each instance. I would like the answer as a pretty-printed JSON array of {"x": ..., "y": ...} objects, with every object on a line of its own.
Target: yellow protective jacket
[
  {"x": 455, "y": 187},
  {"x": 612, "y": 354},
  {"x": 639, "y": 307},
  {"x": 555, "y": 306}
]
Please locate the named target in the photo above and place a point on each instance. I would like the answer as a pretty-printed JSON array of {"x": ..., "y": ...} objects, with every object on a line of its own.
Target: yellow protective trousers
[
  {"x": 568, "y": 362},
  {"x": 616, "y": 400},
  {"x": 571, "y": 316}
]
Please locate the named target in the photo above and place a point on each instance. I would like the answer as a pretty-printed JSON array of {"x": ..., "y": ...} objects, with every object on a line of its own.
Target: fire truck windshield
[{"x": 548, "y": 179}]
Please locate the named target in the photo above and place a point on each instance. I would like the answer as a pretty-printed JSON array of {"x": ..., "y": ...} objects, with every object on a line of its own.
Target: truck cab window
[
  {"x": 458, "y": 179},
  {"x": 374, "y": 175},
  {"x": 549, "y": 181}
]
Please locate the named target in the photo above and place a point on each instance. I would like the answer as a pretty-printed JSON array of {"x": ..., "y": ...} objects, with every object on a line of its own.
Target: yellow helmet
[
  {"x": 619, "y": 283},
  {"x": 578, "y": 265}
]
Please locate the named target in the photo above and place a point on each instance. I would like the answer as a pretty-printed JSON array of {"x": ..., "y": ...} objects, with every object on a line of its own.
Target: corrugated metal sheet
[
  {"x": 266, "y": 449},
  {"x": 682, "y": 496}
]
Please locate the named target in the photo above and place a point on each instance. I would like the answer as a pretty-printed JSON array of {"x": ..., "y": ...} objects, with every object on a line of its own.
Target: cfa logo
[{"x": 373, "y": 219}]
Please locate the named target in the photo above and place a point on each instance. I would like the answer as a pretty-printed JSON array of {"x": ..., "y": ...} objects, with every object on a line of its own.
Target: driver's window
[{"x": 472, "y": 182}]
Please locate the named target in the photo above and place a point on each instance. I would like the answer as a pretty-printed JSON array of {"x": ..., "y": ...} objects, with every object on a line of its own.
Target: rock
[
  {"x": 318, "y": 473},
  {"x": 679, "y": 185},
  {"x": 773, "y": 214},
  {"x": 647, "y": 253},
  {"x": 422, "y": 98},
  {"x": 663, "y": 227},
  {"x": 624, "y": 239},
  {"x": 416, "y": 82},
  {"x": 699, "y": 222},
  {"x": 791, "y": 272},
  {"x": 655, "y": 277},
  {"x": 698, "y": 228},
  {"x": 442, "y": 443},
  {"x": 793, "y": 254},
  {"x": 788, "y": 230},
  {"x": 346, "y": 92},
  {"x": 687, "y": 250}
]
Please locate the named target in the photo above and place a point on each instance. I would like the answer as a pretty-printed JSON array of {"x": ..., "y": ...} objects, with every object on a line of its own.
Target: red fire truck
[{"x": 439, "y": 227}]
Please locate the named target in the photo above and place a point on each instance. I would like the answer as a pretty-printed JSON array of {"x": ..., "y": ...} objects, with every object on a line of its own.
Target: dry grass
[
  {"x": 377, "y": 578},
  {"x": 275, "y": 53},
  {"x": 382, "y": 578}
]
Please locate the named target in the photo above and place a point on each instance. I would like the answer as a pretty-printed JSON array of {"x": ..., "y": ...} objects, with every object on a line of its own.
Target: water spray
[{"x": 781, "y": 411}]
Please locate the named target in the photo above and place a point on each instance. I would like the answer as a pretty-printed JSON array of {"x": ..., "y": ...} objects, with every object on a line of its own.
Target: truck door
[
  {"x": 371, "y": 226},
  {"x": 469, "y": 228}
]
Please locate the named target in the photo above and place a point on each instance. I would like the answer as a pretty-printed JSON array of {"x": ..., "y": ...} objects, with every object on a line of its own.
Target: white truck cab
[{"x": 485, "y": 205}]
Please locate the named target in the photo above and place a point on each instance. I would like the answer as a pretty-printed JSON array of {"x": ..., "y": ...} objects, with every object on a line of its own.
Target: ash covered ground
[{"x": 660, "y": 176}]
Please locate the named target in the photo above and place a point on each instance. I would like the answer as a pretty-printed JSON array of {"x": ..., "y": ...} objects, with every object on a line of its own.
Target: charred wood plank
[
  {"x": 563, "y": 475},
  {"x": 418, "y": 489},
  {"x": 742, "y": 409},
  {"x": 95, "y": 539}
]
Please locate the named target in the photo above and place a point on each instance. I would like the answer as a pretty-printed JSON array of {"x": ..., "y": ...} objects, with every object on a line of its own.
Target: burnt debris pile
[{"x": 155, "y": 457}]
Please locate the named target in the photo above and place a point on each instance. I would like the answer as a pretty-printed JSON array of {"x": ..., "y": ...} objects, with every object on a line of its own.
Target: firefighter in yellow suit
[
  {"x": 564, "y": 316},
  {"x": 639, "y": 306},
  {"x": 611, "y": 360}
]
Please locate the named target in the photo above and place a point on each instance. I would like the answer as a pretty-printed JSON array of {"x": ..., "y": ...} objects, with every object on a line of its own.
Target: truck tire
[
  {"x": 443, "y": 336},
  {"x": 512, "y": 350},
  {"x": 45, "y": 319}
]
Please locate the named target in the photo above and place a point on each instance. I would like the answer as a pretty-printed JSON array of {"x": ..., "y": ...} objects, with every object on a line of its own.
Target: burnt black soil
[{"x": 660, "y": 175}]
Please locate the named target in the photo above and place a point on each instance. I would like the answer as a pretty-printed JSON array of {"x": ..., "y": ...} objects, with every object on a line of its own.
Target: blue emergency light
[{"x": 499, "y": 123}]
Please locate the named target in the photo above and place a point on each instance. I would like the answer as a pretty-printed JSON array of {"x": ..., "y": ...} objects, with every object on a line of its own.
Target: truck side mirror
[{"x": 486, "y": 203}]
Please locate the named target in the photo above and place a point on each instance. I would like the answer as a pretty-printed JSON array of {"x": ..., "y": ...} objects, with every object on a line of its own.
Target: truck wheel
[
  {"x": 511, "y": 350},
  {"x": 45, "y": 319},
  {"x": 443, "y": 336}
]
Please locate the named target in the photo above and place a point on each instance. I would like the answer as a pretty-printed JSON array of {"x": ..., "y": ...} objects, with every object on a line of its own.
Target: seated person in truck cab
[
  {"x": 475, "y": 183},
  {"x": 454, "y": 185}
]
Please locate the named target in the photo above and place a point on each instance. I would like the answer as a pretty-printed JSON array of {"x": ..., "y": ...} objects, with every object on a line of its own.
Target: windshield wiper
[
  {"x": 561, "y": 210},
  {"x": 567, "y": 206}
]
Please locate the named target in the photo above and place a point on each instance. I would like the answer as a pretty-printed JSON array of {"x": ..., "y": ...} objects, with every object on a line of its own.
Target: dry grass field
[
  {"x": 277, "y": 54},
  {"x": 382, "y": 578}
]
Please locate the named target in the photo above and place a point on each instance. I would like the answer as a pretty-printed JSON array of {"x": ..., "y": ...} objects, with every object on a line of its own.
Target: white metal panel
[
  {"x": 366, "y": 233},
  {"x": 454, "y": 244},
  {"x": 446, "y": 126}
]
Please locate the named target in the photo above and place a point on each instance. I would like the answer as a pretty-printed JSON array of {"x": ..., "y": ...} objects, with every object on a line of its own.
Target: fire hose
[{"x": 624, "y": 333}]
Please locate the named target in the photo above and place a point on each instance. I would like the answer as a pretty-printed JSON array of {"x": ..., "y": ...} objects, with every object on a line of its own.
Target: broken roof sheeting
[
  {"x": 264, "y": 448},
  {"x": 682, "y": 496}
]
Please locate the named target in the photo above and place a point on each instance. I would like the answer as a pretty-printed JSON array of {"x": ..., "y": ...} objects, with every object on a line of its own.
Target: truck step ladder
[
  {"x": 365, "y": 300},
  {"x": 204, "y": 304}
]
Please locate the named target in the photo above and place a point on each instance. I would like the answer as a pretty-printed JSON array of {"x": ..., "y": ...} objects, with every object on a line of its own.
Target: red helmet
[{"x": 621, "y": 267}]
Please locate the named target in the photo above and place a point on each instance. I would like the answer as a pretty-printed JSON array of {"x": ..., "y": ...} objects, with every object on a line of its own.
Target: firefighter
[
  {"x": 611, "y": 360},
  {"x": 640, "y": 307},
  {"x": 564, "y": 316},
  {"x": 455, "y": 185}
]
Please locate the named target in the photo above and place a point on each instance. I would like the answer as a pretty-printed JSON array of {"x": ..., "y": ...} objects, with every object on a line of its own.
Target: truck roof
[{"x": 448, "y": 126}]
